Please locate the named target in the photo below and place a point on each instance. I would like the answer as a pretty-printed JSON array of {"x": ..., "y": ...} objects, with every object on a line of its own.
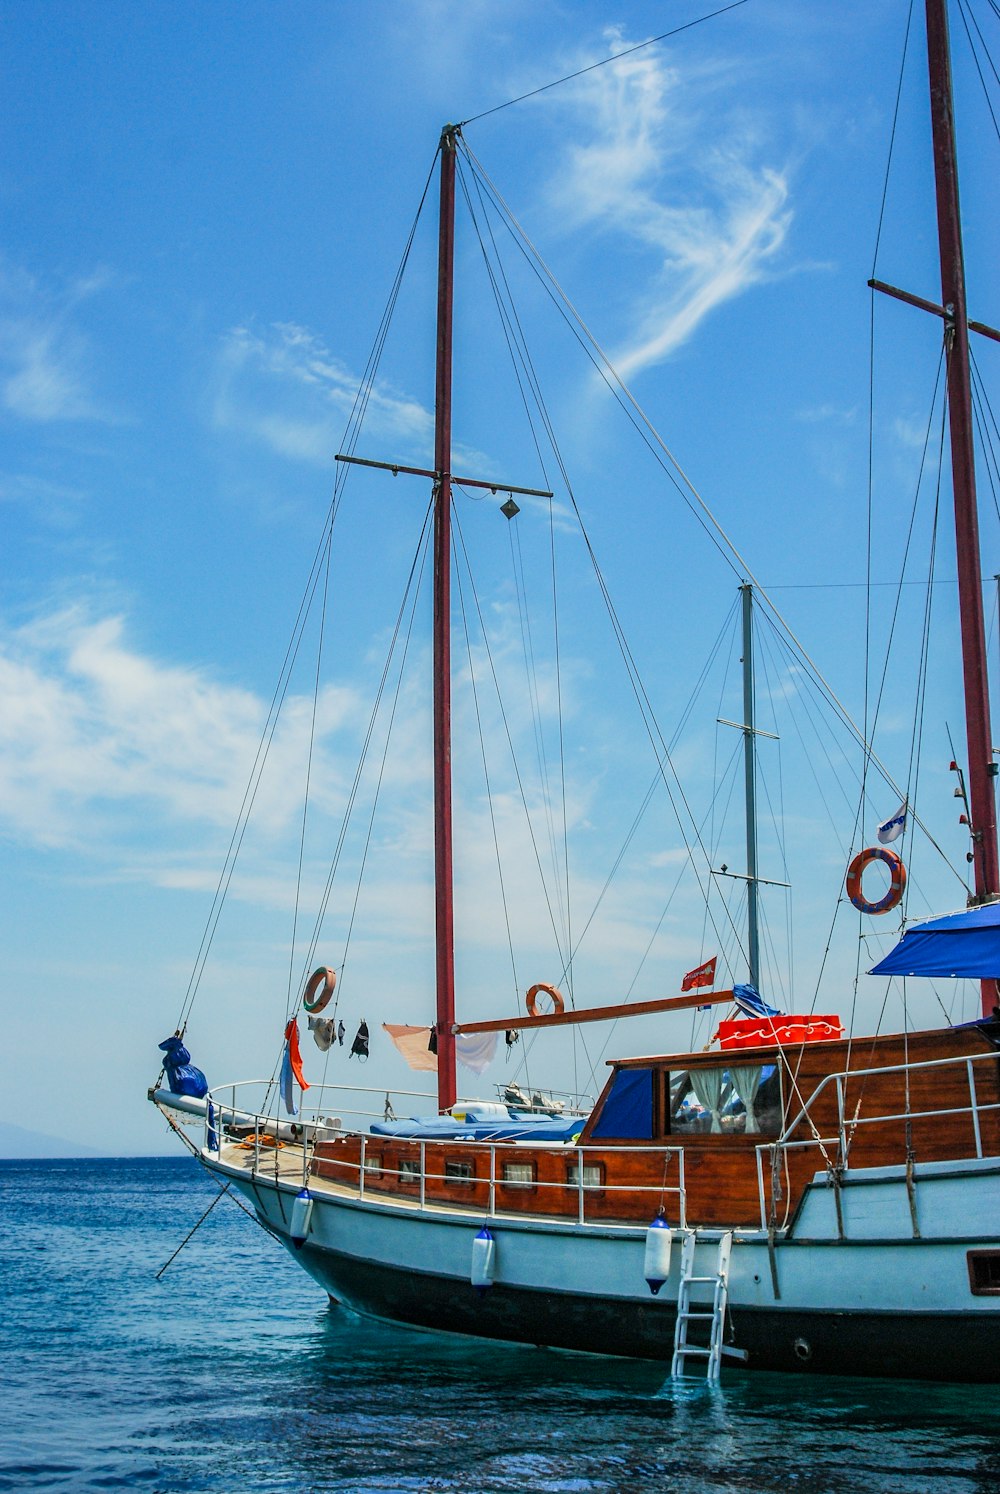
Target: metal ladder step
[{"x": 713, "y": 1313}]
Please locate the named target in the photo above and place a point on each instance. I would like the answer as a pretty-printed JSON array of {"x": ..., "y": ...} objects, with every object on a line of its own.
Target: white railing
[
  {"x": 234, "y": 1118},
  {"x": 326, "y": 1118},
  {"x": 846, "y": 1128},
  {"x": 580, "y": 1157},
  {"x": 835, "y": 1150}
]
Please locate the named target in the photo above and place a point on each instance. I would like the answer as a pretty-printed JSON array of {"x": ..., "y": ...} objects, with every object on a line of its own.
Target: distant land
[{"x": 17, "y": 1144}]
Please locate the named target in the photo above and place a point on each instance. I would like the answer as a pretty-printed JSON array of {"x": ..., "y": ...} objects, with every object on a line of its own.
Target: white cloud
[
  {"x": 828, "y": 415},
  {"x": 92, "y": 727},
  {"x": 45, "y": 359},
  {"x": 713, "y": 216},
  {"x": 284, "y": 388}
]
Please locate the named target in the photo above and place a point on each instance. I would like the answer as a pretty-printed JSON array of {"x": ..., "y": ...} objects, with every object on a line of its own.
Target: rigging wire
[
  {"x": 527, "y": 383},
  {"x": 309, "y": 765},
  {"x": 409, "y": 598},
  {"x": 869, "y": 726},
  {"x": 457, "y": 548},
  {"x": 642, "y": 698},
  {"x": 968, "y": 17},
  {"x": 664, "y": 457},
  {"x": 355, "y": 420},
  {"x": 592, "y": 67}
]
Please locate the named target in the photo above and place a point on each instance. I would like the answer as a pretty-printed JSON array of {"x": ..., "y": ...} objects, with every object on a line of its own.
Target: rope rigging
[{"x": 700, "y": 832}]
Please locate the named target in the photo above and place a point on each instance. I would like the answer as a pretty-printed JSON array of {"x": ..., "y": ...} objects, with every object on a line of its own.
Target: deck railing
[
  {"x": 846, "y": 1127},
  {"x": 326, "y": 1119},
  {"x": 235, "y": 1114}
]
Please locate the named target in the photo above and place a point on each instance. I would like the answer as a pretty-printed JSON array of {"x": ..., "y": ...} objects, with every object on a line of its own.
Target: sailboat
[{"x": 792, "y": 1199}]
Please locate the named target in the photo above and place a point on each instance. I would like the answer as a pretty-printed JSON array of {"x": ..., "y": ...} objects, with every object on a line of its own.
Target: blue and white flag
[
  {"x": 893, "y": 829},
  {"x": 752, "y": 1004}
]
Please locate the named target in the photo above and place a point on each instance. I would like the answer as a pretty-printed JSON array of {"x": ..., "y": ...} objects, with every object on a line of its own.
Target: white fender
[
  {"x": 656, "y": 1262},
  {"x": 302, "y": 1209},
  {"x": 483, "y": 1260}
]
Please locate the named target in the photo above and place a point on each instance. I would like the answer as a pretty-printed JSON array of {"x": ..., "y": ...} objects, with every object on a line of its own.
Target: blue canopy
[{"x": 956, "y": 944}]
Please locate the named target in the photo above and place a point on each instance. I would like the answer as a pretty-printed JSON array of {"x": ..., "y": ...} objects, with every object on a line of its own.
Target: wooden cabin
[{"x": 924, "y": 1097}]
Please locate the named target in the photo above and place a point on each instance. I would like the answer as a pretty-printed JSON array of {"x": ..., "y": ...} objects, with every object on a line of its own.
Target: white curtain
[
  {"x": 746, "y": 1083},
  {"x": 707, "y": 1085}
]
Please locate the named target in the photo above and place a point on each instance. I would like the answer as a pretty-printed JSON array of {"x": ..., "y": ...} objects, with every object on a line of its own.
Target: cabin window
[
  {"x": 409, "y": 1170},
  {"x": 458, "y": 1172},
  {"x": 373, "y": 1165},
  {"x": 743, "y": 1099},
  {"x": 593, "y": 1175},
  {"x": 519, "y": 1174},
  {"x": 984, "y": 1272}
]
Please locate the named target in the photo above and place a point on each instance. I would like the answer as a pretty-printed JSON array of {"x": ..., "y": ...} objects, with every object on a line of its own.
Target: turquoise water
[{"x": 233, "y": 1373}]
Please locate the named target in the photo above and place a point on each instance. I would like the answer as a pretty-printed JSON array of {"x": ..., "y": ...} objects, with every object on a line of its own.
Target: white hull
[{"x": 869, "y": 1297}]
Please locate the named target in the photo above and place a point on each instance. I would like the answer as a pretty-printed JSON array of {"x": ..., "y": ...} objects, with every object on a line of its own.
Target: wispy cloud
[
  {"x": 283, "y": 387},
  {"x": 46, "y": 362},
  {"x": 91, "y": 726},
  {"x": 691, "y": 191},
  {"x": 828, "y": 415}
]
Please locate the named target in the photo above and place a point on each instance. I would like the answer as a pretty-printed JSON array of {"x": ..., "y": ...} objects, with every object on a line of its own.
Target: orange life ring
[
  {"x": 897, "y": 872},
  {"x": 324, "y": 977},
  {"x": 558, "y": 1004}
]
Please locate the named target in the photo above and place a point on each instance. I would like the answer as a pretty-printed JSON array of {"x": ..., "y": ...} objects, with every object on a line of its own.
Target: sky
[{"x": 204, "y": 207}]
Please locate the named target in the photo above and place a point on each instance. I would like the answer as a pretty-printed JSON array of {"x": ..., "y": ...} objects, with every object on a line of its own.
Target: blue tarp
[
  {"x": 957, "y": 944},
  {"x": 447, "y": 1128},
  {"x": 627, "y": 1114}
]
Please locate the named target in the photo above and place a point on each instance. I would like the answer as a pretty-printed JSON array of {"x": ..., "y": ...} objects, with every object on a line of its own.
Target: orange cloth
[
  {"x": 412, "y": 1043},
  {"x": 292, "y": 1039}
]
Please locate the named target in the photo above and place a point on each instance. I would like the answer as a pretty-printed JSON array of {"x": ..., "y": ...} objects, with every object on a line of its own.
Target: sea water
[{"x": 233, "y": 1372}]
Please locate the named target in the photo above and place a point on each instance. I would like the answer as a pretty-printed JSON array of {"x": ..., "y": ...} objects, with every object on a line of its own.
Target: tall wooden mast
[
  {"x": 443, "y": 877},
  {"x": 982, "y": 766},
  {"x": 750, "y": 781}
]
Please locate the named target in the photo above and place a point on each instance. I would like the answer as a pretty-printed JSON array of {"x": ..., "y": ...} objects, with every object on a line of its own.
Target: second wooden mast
[
  {"x": 443, "y": 874},
  {"x": 982, "y": 766}
]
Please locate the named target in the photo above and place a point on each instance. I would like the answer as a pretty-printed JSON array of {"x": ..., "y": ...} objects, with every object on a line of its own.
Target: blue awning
[{"x": 965, "y": 944}]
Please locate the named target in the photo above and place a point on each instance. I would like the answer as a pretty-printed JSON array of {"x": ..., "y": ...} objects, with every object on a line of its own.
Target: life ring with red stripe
[
  {"x": 321, "y": 986},
  {"x": 897, "y": 884},
  {"x": 558, "y": 1004}
]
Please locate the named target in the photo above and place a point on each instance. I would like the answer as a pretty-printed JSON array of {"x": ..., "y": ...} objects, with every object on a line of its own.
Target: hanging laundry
[
  {"x": 432, "y": 1041},
  {"x": 360, "y": 1044},
  {"x": 510, "y": 1037},
  {"x": 475, "y": 1050},
  {"x": 413, "y": 1044},
  {"x": 182, "y": 1076},
  {"x": 341, "y": 1029},
  {"x": 324, "y": 1031},
  {"x": 291, "y": 1068}
]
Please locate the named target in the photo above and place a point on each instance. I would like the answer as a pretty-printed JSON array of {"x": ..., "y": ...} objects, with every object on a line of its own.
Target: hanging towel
[
  {"x": 412, "y": 1042},
  {"x": 475, "y": 1050},
  {"x": 341, "y": 1029},
  {"x": 360, "y": 1045},
  {"x": 324, "y": 1031}
]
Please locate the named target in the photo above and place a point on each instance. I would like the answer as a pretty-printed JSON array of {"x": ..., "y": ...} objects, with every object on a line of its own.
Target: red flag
[{"x": 703, "y": 976}]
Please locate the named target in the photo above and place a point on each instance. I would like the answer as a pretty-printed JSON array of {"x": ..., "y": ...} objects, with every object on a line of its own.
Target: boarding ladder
[{"x": 713, "y": 1313}]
